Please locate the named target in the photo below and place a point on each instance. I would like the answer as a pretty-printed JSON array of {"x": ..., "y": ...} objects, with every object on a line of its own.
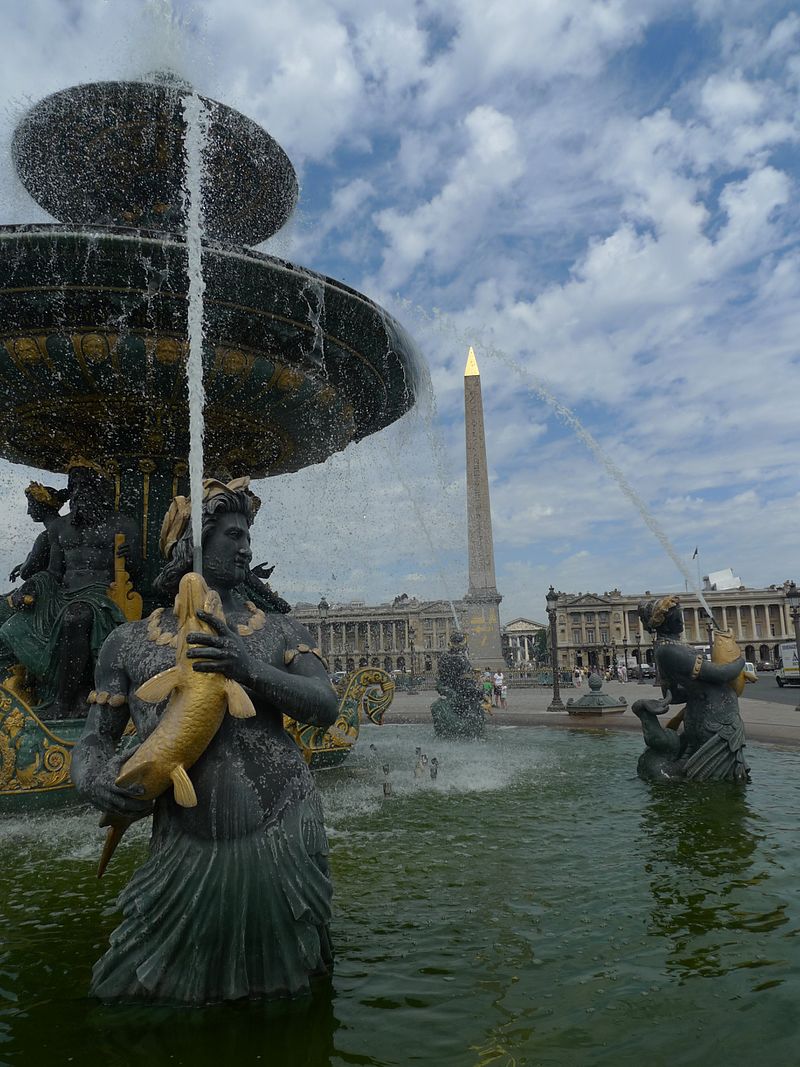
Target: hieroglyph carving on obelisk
[{"x": 482, "y": 600}]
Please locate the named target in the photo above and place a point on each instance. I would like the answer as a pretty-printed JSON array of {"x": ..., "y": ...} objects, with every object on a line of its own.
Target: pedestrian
[
  {"x": 504, "y": 696},
  {"x": 488, "y": 687},
  {"x": 498, "y": 685},
  {"x": 577, "y": 677}
]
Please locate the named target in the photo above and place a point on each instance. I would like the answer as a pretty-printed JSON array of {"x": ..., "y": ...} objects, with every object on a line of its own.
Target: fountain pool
[{"x": 535, "y": 904}]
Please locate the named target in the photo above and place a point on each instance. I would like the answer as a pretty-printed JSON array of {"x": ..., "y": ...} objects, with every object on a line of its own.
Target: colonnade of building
[
  {"x": 409, "y": 636},
  {"x": 597, "y": 629}
]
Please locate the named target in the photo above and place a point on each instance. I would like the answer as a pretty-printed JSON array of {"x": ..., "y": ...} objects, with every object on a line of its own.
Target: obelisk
[{"x": 482, "y": 600}]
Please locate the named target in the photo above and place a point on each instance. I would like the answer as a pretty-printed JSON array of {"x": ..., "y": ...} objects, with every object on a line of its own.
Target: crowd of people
[{"x": 608, "y": 674}]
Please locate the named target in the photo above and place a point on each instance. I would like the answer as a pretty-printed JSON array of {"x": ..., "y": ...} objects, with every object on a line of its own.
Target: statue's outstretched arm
[
  {"x": 300, "y": 688},
  {"x": 38, "y": 558},
  {"x": 720, "y": 672},
  {"x": 95, "y": 764}
]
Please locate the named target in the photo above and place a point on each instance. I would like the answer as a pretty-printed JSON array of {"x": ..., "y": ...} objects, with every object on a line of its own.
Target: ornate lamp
[{"x": 556, "y": 703}]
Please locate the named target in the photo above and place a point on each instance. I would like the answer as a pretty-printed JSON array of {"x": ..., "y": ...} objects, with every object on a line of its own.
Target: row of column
[
  {"x": 522, "y": 643},
  {"x": 726, "y": 616},
  {"x": 341, "y": 638}
]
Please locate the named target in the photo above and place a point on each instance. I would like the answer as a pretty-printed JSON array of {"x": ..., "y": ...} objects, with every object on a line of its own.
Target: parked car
[
  {"x": 765, "y": 665},
  {"x": 648, "y": 670}
]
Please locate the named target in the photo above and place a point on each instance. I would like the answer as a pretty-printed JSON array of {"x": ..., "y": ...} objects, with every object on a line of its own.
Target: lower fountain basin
[
  {"x": 536, "y": 903},
  {"x": 93, "y": 327}
]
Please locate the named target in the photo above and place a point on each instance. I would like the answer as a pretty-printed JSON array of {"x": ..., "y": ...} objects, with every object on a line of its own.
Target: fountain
[
  {"x": 95, "y": 341},
  {"x": 481, "y": 926}
]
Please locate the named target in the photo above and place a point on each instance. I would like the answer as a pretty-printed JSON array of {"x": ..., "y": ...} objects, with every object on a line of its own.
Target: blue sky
[{"x": 600, "y": 196}]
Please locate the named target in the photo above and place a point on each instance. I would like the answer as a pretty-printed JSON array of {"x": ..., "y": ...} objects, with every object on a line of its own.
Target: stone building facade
[
  {"x": 595, "y": 629},
  {"x": 518, "y": 641},
  {"x": 407, "y": 635}
]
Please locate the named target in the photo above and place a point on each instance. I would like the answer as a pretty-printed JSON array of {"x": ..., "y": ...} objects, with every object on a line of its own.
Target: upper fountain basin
[
  {"x": 112, "y": 153},
  {"x": 93, "y": 351}
]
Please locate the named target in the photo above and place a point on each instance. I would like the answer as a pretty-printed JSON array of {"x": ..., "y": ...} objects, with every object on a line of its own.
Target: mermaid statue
[
  {"x": 234, "y": 899},
  {"x": 710, "y": 744}
]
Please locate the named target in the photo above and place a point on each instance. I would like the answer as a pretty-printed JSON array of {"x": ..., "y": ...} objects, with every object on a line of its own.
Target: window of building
[
  {"x": 590, "y": 636},
  {"x": 576, "y": 637},
  {"x": 604, "y": 637}
]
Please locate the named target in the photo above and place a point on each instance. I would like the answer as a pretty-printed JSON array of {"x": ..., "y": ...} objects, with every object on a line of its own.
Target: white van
[{"x": 788, "y": 672}]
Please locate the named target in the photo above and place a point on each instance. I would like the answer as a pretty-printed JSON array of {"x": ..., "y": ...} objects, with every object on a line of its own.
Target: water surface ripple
[{"x": 535, "y": 904}]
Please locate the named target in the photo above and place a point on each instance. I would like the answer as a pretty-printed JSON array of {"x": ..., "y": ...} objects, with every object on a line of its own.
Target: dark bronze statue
[
  {"x": 458, "y": 714},
  {"x": 44, "y": 504},
  {"x": 234, "y": 899},
  {"x": 64, "y": 612},
  {"x": 710, "y": 746}
]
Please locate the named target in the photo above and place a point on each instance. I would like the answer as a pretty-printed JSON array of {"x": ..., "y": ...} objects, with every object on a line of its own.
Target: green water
[{"x": 536, "y": 904}]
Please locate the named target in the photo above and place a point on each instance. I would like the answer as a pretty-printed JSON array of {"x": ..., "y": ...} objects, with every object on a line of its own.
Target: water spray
[{"x": 196, "y": 119}]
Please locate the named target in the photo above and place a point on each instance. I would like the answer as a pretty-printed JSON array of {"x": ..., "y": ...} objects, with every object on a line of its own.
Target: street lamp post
[
  {"x": 412, "y": 633},
  {"x": 625, "y": 653},
  {"x": 614, "y": 658},
  {"x": 556, "y": 704},
  {"x": 793, "y": 600},
  {"x": 323, "y": 608},
  {"x": 639, "y": 658}
]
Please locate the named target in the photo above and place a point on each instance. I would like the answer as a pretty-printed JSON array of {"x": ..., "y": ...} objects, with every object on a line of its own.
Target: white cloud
[
  {"x": 505, "y": 162},
  {"x": 442, "y": 229}
]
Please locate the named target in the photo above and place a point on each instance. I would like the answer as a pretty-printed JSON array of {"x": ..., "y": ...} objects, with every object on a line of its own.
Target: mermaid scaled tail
[{"x": 207, "y": 919}]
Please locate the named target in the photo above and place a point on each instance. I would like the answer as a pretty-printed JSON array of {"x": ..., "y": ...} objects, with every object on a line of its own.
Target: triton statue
[
  {"x": 458, "y": 714},
  {"x": 711, "y": 744},
  {"x": 234, "y": 899}
]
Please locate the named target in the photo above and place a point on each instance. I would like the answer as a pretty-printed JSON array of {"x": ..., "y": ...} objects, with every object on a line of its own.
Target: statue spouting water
[
  {"x": 234, "y": 898},
  {"x": 705, "y": 740},
  {"x": 458, "y": 714}
]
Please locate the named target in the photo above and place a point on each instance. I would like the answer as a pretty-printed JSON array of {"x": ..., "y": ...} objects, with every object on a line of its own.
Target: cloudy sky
[{"x": 599, "y": 195}]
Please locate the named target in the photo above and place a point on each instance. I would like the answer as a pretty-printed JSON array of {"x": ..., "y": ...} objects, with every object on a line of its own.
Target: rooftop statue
[
  {"x": 710, "y": 745},
  {"x": 234, "y": 898}
]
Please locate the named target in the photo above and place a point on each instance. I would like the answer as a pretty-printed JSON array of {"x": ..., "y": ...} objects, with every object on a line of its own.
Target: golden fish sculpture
[
  {"x": 725, "y": 650},
  {"x": 197, "y": 705}
]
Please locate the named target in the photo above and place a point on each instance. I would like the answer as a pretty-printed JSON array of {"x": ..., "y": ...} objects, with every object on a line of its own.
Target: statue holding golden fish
[
  {"x": 234, "y": 899},
  {"x": 705, "y": 740}
]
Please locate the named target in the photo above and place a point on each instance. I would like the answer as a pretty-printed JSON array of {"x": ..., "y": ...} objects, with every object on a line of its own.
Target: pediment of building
[
  {"x": 523, "y": 624},
  {"x": 590, "y": 600}
]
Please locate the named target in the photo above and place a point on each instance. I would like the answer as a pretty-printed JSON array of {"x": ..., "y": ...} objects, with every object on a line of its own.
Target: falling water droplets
[{"x": 196, "y": 132}]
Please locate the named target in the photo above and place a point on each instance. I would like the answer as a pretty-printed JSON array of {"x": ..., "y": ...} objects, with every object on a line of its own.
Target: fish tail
[{"x": 116, "y": 829}]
